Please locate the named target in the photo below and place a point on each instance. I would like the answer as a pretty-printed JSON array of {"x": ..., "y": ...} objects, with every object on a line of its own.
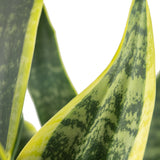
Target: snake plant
[{"x": 109, "y": 120}]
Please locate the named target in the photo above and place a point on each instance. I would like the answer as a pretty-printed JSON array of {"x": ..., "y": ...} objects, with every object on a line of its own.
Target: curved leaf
[
  {"x": 111, "y": 118},
  {"x": 49, "y": 84},
  {"x": 18, "y": 26}
]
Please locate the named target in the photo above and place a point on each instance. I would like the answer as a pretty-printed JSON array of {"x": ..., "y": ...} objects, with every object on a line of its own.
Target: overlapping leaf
[
  {"x": 26, "y": 133},
  {"x": 111, "y": 118},
  {"x": 18, "y": 28},
  {"x": 49, "y": 84},
  {"x": 152, "y": 151}
]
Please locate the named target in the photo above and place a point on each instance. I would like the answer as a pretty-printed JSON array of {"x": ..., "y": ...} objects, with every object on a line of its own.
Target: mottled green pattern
[
  {"x": 49, "y": 85},
  {"x": 13, "y": 24},
  {"x": 105, "y": 122},
  {"x": 152, "y": 151}
]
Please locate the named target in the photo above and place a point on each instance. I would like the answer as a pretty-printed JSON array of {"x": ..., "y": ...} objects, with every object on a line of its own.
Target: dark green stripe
[
  {"x": 106, "y": 121},
  {"x": 14, "y": 16},
  {"x": 49, "y": 85}
]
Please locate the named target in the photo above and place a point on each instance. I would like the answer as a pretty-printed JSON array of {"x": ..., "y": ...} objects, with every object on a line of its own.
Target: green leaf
[
  {"x": 26, "y": 133},
  {"x": 2, "y": 153},
  {"x": 18, "y": 138},
  {"x": 111, "y": 118},
  {"x": 18, "y": 26},
  {"x": 49, "y": 84},
  {"x": 152, "y": 151}
]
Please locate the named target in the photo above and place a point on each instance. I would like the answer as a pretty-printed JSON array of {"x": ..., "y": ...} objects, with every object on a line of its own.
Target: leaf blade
[
  {"x": 27, "y": 131},
  {"x": 105, "y": 120},
  {"x": 2, "y": 153},
  {"x": 153, "y": 144},
  {"x": 15, "y": 62},
  {"x": 49, "y": 84}
]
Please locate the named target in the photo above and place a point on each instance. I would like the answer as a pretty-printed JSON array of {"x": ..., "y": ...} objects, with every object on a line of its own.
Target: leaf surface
[
  {"x": 26, "y": 133},
  {"x": 2, "y": 153},
  {"x": 18, "y": 26},
  {"x": 152, "y": 151},
  {"x": 111, "y": 118},
  {"x": 49, "y": 84}
]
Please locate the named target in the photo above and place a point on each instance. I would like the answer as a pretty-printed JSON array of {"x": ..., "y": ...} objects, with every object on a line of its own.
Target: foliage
[{"x": 110, "y": 119}]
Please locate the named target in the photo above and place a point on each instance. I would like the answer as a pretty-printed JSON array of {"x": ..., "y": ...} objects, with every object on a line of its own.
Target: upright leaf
[
  {"x": 18, "y": 27},
  {"x": 111, "y": 118},
  {"x": 49, "y": 84},
  {"x": 2, "y": 153},
  {"x": 18, "y": 138},
  {"x": 152, "y": 151}
]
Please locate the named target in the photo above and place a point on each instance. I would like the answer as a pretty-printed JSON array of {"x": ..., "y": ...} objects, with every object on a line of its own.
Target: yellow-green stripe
[{"x": 23, "y": 74}]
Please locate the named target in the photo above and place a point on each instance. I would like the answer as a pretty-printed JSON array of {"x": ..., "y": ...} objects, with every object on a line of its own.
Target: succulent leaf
[
  {"x": 49, "y": 84},
  {"x": 111, "y": 118},
  {"x": 152, "y": 151},
  {"x": 18, "y": 28}
]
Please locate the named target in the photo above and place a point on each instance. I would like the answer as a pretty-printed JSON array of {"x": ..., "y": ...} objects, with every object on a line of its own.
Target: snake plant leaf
[
  {"x": 110, "y": 119},
  {"x": 18, "y": 138},
  {"x": 2, "y": 153},
  {"x": 18, "y": 27},
  {"x": 25, "y": 133},
  {"x": 49, "y": 85},
  {"x": 152, "y": 151},
  {"x": 28, "y": 130}
]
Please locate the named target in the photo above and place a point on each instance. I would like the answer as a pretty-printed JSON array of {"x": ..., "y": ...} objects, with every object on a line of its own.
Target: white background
[{"x": 88, "y": 34}]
